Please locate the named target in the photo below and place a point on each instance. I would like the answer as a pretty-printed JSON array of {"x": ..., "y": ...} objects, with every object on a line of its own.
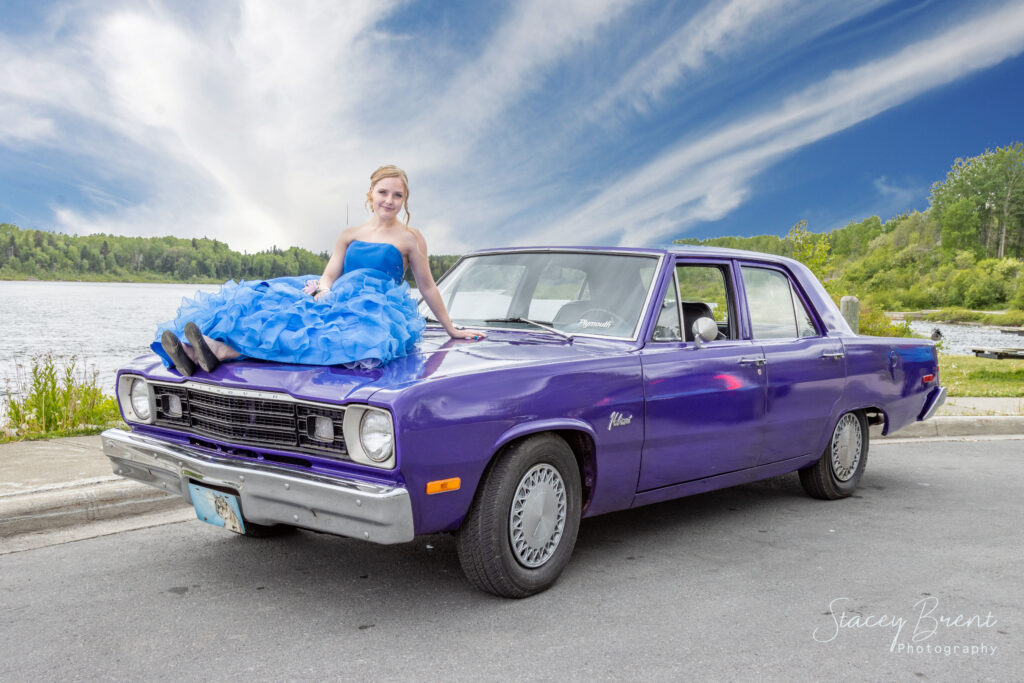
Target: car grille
[{"x": 256, "y": 420}]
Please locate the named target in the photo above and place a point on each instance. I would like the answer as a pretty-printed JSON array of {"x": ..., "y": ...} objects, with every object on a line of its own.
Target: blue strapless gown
[{"x": 368, "y": 317}]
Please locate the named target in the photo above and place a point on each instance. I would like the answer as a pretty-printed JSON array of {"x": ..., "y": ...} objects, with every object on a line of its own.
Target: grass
[
  {"x": 1011, "y": 318},
  {"x": 972, "y": 376},
  {"x": 56, "y": 401}
]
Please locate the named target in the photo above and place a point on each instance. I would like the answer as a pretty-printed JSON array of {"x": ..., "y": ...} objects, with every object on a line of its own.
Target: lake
[{"x": 101, "y": 324}]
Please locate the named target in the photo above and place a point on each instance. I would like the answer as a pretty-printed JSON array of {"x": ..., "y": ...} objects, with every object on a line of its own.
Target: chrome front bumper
[{"x": 268, "y": 494}]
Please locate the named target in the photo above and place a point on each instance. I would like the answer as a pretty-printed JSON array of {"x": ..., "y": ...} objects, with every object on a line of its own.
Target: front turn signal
[{"x": 443, "y": 485}]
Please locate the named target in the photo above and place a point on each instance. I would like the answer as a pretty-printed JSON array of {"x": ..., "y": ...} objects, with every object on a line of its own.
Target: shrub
[
  {"x": 57, "y": 402},
  {"x": 874, "y": 322}
]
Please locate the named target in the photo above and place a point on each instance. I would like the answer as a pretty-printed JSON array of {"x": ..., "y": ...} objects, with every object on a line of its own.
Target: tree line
[
  {"x": 965, "y": 250},
  {"x": 45, "y": 255}
]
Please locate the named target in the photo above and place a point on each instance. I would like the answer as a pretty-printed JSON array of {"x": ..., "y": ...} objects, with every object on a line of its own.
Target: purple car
[{"x": 609, "y": 379}]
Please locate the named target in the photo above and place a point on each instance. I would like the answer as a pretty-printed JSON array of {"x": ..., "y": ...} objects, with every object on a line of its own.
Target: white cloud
[
  {"x": 258, "y": 122},
  {"x": 20, "y": 126},
  {"x": 705, "y": 179},
  {"x": 723, "y": 30}
]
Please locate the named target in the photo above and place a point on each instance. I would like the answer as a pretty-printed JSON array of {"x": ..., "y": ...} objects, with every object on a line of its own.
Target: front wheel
[
  {"x": 521, "y": 528},
  {"x": 838, "y": 471}
]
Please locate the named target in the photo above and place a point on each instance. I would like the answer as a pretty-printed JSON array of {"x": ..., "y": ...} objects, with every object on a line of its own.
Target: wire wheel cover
[
  {"x": 537, "y": 518},
  {"x": 847, "y": 447}
]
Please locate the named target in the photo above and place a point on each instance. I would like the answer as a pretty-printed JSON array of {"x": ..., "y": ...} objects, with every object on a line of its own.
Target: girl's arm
[
  {"x": 420, "y": 265},
  {"x": 332, "y": 271}
]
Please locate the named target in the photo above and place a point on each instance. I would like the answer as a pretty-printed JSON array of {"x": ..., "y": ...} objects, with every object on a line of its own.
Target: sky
[{"x": 530, "y": 122}]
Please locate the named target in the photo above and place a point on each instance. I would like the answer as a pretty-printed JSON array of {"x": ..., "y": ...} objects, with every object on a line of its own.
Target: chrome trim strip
[
  {"x": 244, "y": 393},
  {"x": 268, "y": 494},
  {"x": 937, "y": 402}
]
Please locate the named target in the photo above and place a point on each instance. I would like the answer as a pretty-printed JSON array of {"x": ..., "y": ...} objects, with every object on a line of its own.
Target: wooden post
[{"x": 849, "y": 306}]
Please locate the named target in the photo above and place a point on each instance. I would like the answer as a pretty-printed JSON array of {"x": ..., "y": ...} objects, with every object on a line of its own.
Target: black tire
[
  {"x": 838, "y": 471},
  {"x": 498, "y": 552}
]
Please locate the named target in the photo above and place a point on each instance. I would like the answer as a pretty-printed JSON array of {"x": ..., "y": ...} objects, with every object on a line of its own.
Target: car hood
[{"x": 436, "y": 356}]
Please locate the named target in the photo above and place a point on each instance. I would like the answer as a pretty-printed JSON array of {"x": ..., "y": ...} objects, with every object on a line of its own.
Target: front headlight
[
  {"x": 375, "y": 436},
  {"x": 140, "y": 399},
  {"x": 369, "y": 436},
  {"x": 134, "y": 396}
]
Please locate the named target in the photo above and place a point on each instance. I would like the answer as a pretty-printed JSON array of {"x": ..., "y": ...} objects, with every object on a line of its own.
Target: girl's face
[{"x": 388, "y": 198}]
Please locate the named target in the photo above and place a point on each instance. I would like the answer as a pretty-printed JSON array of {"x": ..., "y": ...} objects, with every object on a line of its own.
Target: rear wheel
[
  {"x": 838, "y": 471},
  {"x": 520, "y": 531}
]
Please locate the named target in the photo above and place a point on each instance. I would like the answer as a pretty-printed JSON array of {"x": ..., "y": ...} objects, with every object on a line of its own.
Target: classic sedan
[{"x": 609, "y": 379}]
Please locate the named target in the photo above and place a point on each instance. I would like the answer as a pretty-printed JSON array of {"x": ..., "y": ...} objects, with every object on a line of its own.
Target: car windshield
[{"x": 576, "y": 293}]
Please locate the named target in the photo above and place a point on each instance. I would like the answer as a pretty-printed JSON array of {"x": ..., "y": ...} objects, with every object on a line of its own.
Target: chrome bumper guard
[
  {"x": 936, "y": 401},
  {"x": 269, "y": 494}
]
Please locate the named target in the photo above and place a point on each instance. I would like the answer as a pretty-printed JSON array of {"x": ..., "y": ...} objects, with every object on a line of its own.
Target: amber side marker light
[
  {"x": 442, "y": 485},
  {"x": 927, "y": 378}
]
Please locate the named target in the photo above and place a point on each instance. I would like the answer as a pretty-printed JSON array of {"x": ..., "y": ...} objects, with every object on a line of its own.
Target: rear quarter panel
[{"x": 887, "y": 373}]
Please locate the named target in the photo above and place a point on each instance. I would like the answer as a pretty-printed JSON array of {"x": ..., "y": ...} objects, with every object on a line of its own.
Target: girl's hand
[{"x": 466, "y": 334}]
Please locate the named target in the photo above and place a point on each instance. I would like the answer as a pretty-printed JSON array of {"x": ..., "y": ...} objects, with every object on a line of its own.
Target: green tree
[
  {"x": 811, "y": 249},
  {"x": 1009, "y": 172}
]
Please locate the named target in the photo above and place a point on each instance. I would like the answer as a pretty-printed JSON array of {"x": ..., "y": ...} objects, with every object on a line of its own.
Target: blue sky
[{"x": 532, "y": 122}]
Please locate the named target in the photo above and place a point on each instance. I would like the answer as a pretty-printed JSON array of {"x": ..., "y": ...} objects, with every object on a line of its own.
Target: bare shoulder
[
  {"x": 419, "y": 242},
  {"x": 348, "y": 234}
]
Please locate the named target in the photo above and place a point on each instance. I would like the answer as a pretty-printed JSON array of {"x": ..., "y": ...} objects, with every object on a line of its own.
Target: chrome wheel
[
  {"x": 537, "y": 517},
  {"x": 847, "y": 447}
]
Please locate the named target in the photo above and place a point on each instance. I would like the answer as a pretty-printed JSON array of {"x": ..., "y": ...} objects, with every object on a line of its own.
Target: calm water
[
  {"x": 103, "y": 324},
  {"x": 960, "y": 339}
]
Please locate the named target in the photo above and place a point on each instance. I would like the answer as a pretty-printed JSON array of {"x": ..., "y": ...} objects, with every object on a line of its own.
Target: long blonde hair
[{"x": 389, "y": 171}]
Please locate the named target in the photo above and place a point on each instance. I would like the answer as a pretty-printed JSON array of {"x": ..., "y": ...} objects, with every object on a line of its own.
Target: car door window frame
[
  {"x": 795, "y": 294},
  {"x": 727, "y": 268}
]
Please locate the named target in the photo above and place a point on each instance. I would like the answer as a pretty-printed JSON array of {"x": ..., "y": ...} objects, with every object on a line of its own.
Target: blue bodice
[{"x": 376, "y": 255}]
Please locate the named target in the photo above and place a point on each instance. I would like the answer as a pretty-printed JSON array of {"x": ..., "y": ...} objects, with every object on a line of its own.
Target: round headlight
[
  {"x": 375, "y": 436},
  {"x": 139, "y": 394}
]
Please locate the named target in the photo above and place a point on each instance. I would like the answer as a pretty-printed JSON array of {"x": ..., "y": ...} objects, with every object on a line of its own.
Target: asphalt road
[{"x": 758, "y": 581}]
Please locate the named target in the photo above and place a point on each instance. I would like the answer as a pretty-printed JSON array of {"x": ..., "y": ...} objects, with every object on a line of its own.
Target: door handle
[
  {"x": 758, "y": 361},
  {"x": 834, "y": 356}
]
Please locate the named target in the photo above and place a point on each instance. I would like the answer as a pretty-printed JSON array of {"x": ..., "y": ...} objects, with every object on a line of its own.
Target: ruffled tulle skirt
[{"x": 366, "y": 319}]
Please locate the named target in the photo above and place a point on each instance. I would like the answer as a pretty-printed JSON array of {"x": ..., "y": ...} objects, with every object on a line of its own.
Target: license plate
[{"x": 217, "y": 508}]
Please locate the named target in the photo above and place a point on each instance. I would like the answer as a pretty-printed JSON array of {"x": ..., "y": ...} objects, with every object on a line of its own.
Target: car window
[
  {"x": 770, "y": 301},
  {"x": 803, "y": 316},
  {"x": 556, "y": 287},
  {"x": 485, "y": 289},
  {"x": 704, "y": 293},
  {"x": 668, "y": 327},
  {"x": 581, "y": 293}
]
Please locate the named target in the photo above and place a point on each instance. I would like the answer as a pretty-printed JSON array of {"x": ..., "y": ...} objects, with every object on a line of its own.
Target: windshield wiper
[{"x": 560, "y": 333}]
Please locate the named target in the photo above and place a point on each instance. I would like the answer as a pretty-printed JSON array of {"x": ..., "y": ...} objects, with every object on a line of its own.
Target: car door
[
  {"x": 704, "y": 407},
  {"x": 805, "y": 370}
]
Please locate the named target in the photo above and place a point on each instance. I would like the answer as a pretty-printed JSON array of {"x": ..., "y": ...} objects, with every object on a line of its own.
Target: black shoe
[
  {"x": 174, "y": 349},
  {"x": 204, "y": 356}
]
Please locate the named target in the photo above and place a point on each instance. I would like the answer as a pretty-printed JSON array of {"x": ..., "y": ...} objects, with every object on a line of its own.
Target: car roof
[{"x": 675, "y": 250}]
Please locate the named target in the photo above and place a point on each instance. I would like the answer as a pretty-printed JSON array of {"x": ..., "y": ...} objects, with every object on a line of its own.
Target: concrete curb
[
  {"x": 958, "y": 425},
  {"x": 80, "y": 503}
]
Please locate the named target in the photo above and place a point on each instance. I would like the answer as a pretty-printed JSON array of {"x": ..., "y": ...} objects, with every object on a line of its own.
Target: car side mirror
[{"x": 704, "y": 330}]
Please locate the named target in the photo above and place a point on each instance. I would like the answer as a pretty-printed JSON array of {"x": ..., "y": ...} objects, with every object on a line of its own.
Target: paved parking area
[{"x": 914, "y": 578}]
